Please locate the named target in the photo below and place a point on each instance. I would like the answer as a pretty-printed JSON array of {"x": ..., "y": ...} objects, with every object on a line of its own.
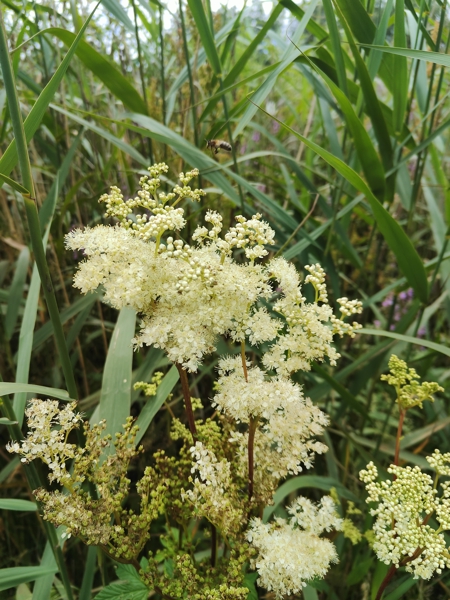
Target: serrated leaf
[{"x": 124, "y": 591}]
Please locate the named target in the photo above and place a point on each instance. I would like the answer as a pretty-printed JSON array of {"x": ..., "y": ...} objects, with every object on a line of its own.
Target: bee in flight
[{"x": 216, "y": 145}]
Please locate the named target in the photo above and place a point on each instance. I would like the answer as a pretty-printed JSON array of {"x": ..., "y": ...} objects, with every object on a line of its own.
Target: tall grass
[{"x": 337, "y": 112}]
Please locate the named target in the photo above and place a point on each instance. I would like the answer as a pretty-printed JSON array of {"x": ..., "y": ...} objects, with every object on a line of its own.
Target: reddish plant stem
[
  {"x": 251, "y": 442},
  {"x": 389, "y": 575},
  {"x": 399, "y": 435},
  {"x": 187, "y": 401},
  {"x": 244, "y": 360}
]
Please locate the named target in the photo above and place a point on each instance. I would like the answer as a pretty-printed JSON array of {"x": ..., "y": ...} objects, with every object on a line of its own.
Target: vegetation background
[{"x": 338, "y": 115}]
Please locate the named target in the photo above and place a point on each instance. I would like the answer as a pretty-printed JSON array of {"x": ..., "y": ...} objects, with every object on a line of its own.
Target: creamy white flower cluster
[
  {"x": 213, "y": 493},
  {"x": 307, "y": 335},
  {"x": 290, "y": 553},
  {"x": 287, "y": 420},
  {"x": 188, "y": 296},
  {"x": 49, "y": 428},
  {"x": 405, "y": 506}
]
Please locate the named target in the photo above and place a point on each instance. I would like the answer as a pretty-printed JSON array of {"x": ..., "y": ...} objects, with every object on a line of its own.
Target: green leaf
[
  {"x": 46, "y": 331},
  {"x": 289, "y": 56},
  {"x": 400, "y": 83},
  {"x": 342, "y": 390},
  {"x": 14, "y": 576},
  {"x": 15, "y": 185},
  {"x": 17, "y": 504},
  {"x": 434, "y": 57},
  {"x": 408, "y": 260},
  {"x": 12, "y": 388},
  {"x": 367, "y": 155},
  {"x": 130, "y": 586},
  {"x": 373, "y": 107},
  {"x": 9, "y": 158},
  {"x": 401, "y": 587},
  {"x": 206, "y": 35},
  {"x": 306, "y": 481},
  {"x": 116, "y": 9},
  {"x": 16, "y": 292},
  {"x": 240, "y": 63},
  {"x": 113, "y": 79},
  {"x": 154, "y": 403},
  {"x": 5, "y": 421},
  {"x": 88, "y": 575},
  {"x": 249, "y": 582},
  {"x": 336, "y": 45},
  {"x": 43, "y": 585},
  {"x": 359, "y": 570},
  {"x": 407, "y": 338},
  {"x": 115, "y": 399}
]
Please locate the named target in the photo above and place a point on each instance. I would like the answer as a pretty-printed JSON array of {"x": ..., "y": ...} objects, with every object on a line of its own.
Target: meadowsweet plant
[
  {"x": 404, "y": 535},
  {"x": 226, "y": 467}
]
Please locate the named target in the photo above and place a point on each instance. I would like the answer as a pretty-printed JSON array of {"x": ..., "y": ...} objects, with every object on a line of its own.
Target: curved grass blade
[
  {"x": 17, "y": 504},
  {"x": 102, "y": 68},
  {"x": 437, "y": 58},
  {"x": 290, "y": 55},
  {"x": 206, "y": 35},
  {"x": 408, "y": 260},
  {"x": 14, "y": 184},
  {"x": 14, "y": 576},
  {"x": 407, "y": 338},
  {"x": 240, "y": 63},
  {"x": 367, "y": 155},
  {"x": 29, "y": 316},
  {"x": 336, "y": 45},
  {"x": 400, "y": 83},
  {"x": 373, "y": 107},
  {"x": 46, "y": 331},
  {"x": 32, "y": 388},
  {"x": 9, "y": 158}
]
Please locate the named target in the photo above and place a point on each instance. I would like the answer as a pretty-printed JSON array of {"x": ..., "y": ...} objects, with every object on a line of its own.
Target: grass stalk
[{"x": 31, "y": 210}]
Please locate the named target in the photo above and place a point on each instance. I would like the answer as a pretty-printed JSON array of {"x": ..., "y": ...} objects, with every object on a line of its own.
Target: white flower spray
[
  {"x": 188, "y": 295},
  {"x": 404, "y": 536}
]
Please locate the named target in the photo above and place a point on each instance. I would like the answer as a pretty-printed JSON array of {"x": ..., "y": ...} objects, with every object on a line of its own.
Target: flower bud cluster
[
  {"x": 405, "y": 505},
  {"x": 405, "y": 381},
  {"x": 250, "y": 234},
  {"x": 49, "y": 428},
  {"x": 213, "y": 493}
]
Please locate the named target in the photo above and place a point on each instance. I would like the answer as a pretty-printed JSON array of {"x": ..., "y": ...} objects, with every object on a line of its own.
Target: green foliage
[{"x": 337, "y": 113}]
